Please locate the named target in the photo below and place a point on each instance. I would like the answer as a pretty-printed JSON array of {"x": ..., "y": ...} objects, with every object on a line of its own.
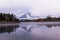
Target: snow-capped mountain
[{"x": 28, "y": 16}]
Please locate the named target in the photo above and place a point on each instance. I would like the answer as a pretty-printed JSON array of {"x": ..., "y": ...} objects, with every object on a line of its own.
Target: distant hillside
[{"x": 48, "y": 19}]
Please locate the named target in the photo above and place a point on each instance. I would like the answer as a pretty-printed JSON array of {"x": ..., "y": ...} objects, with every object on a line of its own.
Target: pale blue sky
[{"x": 40, "y": 8}]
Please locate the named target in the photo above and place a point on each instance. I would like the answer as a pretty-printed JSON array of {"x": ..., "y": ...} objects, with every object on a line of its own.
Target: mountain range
[{"x": 28, "y": 16}]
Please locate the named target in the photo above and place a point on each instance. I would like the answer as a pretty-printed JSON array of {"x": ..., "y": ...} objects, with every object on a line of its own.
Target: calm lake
[{"x": 31, "y": 31}]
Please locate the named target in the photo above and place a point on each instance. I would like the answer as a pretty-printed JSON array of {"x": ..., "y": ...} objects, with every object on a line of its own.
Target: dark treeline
[
  {"x": 47, "y": 19},
  {"x": 7, "y": 17}
]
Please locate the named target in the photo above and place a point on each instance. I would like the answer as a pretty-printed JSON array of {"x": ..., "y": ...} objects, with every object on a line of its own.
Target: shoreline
[
  {"x": 46, "y": 21},
  {"x": 9, "y": 24},
  {"x": 39, "y": 23}
]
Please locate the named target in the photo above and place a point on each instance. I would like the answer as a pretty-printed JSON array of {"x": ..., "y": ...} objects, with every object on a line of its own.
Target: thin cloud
[{"x": 38, "y": 7}]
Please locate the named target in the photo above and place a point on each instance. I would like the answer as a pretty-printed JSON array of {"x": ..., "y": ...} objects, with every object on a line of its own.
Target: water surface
[{"x": 31, "y": 31}]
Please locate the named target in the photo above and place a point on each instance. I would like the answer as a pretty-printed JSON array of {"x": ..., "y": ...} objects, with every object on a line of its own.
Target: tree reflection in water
[
  {"x": 8, "y": 29},
  {"x": 50, "y": 26}
]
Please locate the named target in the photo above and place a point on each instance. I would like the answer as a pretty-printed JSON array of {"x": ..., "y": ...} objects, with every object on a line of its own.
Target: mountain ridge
[{"x": 28, "y": 16}]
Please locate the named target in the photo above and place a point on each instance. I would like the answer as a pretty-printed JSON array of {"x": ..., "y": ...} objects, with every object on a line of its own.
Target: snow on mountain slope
[{"x": 28, "y": 16}]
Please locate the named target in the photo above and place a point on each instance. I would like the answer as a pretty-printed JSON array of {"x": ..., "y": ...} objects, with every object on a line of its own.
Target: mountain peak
[{"x": 28, "y": 16}]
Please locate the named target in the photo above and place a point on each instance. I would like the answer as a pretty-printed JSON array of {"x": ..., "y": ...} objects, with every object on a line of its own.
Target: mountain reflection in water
[
  {"x": 28, "y": 28},
  {"x": 28, "y": 31}
]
